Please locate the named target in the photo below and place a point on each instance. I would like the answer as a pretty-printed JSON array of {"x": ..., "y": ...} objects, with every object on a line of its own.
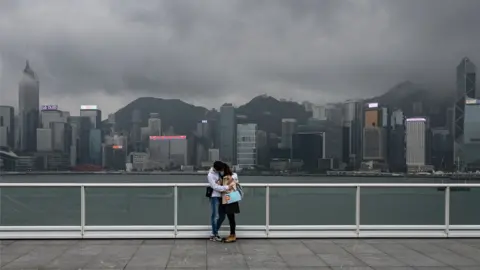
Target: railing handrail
[{"x": 293, "y": 185}]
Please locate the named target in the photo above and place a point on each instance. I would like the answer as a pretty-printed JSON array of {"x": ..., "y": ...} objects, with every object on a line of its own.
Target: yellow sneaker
[{"x": 231, "y": 239}]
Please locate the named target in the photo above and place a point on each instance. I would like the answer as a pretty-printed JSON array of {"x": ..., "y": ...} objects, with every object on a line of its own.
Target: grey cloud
[{"x": 219, "y": 49}]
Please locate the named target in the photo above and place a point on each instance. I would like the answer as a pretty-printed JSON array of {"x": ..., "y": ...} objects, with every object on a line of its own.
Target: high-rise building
[
  {"x": 352, "y": 133},
  {"x": 44, "y": 139},
  {"x": 61, "y": 136},
  {"x": 136, "y": 135},
  {"x": 246, "y": 145},
  {"x": 50, "y": 114},
  {"x": 28, "y": 109},
  {"x": 472, "y": 135},
  {"x": 309, "y": 147},
  {"x": 375, "y": 133},
  {"x": 93, "y": 113},
  {"x": 7, "y": 127},
  {"x": 466, "y": 80},
  {"x": 417, "y": 142},
  {"x": 289, "y": 126},
  {"x": 396, "y": 142},
  {"x": 228, "y": 134},
  {"x": 81, "y": 126},
  {"x": 95, "y": 147},
  {"x": 155, "y": 124},
  {"x": 168, "y": 151}
]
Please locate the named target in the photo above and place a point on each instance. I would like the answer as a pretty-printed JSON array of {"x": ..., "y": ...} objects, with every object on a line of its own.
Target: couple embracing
[{"x": 224, "y": 193}]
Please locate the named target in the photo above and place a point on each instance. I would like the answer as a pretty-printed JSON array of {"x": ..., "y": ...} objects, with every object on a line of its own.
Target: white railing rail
[{"x": 268, "y": 230}]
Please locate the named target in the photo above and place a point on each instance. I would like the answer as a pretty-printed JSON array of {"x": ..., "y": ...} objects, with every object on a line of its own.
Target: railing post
[
  {"x": 267, "y": 210},
  {"x": 357, "y": 210},
  {"x": 447, "y": 211},
  {"x": 175, "y": 209},
  {"x": 82, "y": 209}
]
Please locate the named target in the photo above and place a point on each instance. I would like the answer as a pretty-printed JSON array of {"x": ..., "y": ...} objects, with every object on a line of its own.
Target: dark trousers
[{"x": 221, "y": 218}]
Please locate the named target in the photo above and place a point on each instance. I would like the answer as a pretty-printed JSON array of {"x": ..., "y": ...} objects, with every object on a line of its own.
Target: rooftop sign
[
  {"x": 416, "y": 119},
  {"x": 89, "y": 107},
  {"x": 157, "y": 138},
  {"x": 49, "y": 107},
  {"x": 372, "y": 105},
  {"x": 472, "y": 101}
]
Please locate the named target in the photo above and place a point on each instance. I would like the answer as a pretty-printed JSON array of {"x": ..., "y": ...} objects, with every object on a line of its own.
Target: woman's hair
[{"x": 227, "y": 170}]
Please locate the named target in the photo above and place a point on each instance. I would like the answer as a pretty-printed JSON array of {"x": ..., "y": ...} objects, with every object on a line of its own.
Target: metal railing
[{"x": 247, "y": 231}]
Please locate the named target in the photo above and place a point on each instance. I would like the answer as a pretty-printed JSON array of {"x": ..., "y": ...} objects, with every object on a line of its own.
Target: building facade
[
  {"x": 7, "y": 127},
  {"x": 246, "y": 145},
  {"x": 93, "y": 113},
  {"x": 28, "y": 109},
  {"x": 289, "y": 127},
  {"x": 228, "y": 134},
  {"x": 417, "y": 144},
  {"x": 471, "y": 148},
  {"x": 466, "y": 88}
]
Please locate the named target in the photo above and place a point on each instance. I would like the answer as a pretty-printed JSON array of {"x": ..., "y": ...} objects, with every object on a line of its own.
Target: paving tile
[
  {"x": 149, "y": 257},
  {"x": 352, "y": 268},
  {"x": 360, "y": 248},
  {"x": 379, "y": 260},
  {"x": 187, "y": 261},
  {"x": 295, "y": 249},
  {"x": 440, "y": 268},
  {"x": 408, "y": 256},
  {"x": 235, "y": 261},
  {"x": 192, "y": 249},
  {"x": 265, "y": 261},
  {"x": 258, "y": 249},
  {"x": 278, "y": 254},
  {"x": 299, "y": 260},
  {"x": 452, "y": 259},
  {"x": 113, "y": 257},
  {"x": 465, "y": 250},
  {"x": 343, "y": 259},
  {"x": 37, "y": 258},
  {"x": 325, "y": 248}
]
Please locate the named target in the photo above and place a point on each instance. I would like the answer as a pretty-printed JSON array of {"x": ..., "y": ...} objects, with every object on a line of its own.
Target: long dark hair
[{"x": 227, "y": 170}]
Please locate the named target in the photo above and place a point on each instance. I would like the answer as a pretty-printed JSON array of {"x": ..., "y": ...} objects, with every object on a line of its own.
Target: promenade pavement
[{"x": 300, "y": 254}]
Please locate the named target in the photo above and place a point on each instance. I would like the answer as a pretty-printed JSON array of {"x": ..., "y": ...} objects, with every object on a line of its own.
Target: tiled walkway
[{"x": 395, "y": 254}]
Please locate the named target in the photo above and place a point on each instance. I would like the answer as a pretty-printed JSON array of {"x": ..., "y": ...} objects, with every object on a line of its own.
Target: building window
[{"x": 1, "y": 121}]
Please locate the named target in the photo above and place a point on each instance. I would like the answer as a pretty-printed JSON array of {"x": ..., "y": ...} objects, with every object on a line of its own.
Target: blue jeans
[{"x": 217, "y": 217}]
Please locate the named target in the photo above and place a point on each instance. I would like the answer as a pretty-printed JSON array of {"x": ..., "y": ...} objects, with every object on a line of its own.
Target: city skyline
[{"x": 225, "y": 52}]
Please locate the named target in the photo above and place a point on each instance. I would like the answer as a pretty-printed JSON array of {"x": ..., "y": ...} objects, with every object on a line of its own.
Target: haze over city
[{"x": 210, "y": 52}]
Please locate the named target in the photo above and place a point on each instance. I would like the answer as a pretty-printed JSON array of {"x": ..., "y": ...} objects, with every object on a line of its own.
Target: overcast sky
[{"x": 109, "y": 52}]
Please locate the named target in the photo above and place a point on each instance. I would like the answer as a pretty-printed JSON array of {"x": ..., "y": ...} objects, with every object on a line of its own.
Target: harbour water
[{"x": 288, "y": 206}]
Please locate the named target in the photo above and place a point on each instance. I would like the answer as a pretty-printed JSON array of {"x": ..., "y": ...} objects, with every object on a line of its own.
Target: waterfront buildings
[
  {"x": 7, "y": 127},
  {"x": 93, "y": 113},
  {"x": 375, "y": 133},
  {"x": 154, "y": 125},
  {"x": 44, "y": 139},
  {"x": 417, "y": 143},
  {"x": 28, "y": 109},
  {"x": 471, "y": 152},
  {"x": 247, "y": 145},
  {"x": 309, "y": 147},
  {"x": 352, "y": 133},
  {"x": 396, "y": 142},
  {"x": 168, "y": 151},
  {"x": 466, "y": 88},
  {"x": 289, "y": 126},
  {"x": 228, "y": 134}
]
